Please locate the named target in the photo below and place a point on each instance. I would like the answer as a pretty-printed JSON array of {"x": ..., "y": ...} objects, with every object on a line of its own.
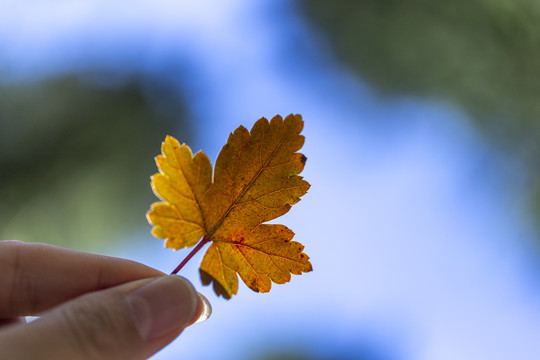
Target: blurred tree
[
  {"x": 77, "y": 154},
  {"x": 483, "y": 54}
]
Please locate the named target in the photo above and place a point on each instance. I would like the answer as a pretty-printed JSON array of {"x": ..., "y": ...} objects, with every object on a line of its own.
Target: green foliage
[
  {"x": 481, "y": 54},
  {"x": 76, "y": 155}
]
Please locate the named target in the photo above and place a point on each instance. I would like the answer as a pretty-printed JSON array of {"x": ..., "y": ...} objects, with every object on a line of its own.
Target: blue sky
[{"x": 419, "y": 246}]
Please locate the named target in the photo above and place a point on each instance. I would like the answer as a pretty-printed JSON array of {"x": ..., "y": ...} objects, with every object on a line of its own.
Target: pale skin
[{"x": 90, "y": 306}]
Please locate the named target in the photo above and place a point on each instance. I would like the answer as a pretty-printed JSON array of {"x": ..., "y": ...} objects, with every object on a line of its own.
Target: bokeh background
[{"x": 423, "y": 144}]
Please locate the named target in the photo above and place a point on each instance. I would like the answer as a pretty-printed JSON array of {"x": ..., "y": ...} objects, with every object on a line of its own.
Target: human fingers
[
  {"x": 36, "y": 277},
  {"x": 129, "y": 321},
  {"x": 12, "y": 321}
]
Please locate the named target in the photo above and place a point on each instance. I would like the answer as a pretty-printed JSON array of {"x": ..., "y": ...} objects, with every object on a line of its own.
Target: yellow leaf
[
  {"x": 181, "y": 184},
  {"x": 255, "y": 180}
]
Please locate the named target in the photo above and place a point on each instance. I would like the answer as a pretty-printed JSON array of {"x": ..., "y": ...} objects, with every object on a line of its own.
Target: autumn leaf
[{"x": 255, "y": 180}]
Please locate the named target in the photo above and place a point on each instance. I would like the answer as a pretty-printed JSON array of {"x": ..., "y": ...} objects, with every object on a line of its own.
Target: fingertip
[{"x": 203, "y": 312}]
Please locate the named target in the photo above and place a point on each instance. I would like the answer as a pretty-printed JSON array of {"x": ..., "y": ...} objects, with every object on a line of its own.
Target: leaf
[{"x": 255, "y": 180}]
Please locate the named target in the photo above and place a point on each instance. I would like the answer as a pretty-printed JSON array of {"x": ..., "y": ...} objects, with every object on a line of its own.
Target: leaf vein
[
  {"x": 179, "y": 220},
  {"x": 267, "y": 194},
  {"x": 248, "y": 262},
  {"x": 222, "y": 264},
  {"x": 244, "y": 190},
  {"x": 261, "y": 251}
]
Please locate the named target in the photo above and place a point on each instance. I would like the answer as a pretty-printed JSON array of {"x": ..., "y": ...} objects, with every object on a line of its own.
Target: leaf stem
[{"x": 199, "y": 246}]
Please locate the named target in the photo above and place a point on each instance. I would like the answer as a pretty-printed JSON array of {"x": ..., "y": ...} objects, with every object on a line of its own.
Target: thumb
[{"x": 130, "y": 321}]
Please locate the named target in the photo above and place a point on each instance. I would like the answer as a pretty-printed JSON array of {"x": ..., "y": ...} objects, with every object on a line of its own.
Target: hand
[{"x": 91, "y": 306}]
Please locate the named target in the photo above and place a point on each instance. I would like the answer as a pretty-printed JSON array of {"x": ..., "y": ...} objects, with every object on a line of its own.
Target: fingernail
[
  {"x": 206, "y": 310},
  {"x": 203, "y": 312},
  {"x": 162, "y": 306}
]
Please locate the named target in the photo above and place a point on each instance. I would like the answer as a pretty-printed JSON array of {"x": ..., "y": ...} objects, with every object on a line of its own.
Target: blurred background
[{"x": 422, "y": 136}]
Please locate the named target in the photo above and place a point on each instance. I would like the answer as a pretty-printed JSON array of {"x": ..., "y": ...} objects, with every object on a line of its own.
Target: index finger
[{"x": 36, "y": 277}]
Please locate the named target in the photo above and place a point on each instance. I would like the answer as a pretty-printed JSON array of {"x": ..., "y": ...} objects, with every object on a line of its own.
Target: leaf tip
[
  {"x": 294, "y": 121},
  {"x": 206, "y": 279}
]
